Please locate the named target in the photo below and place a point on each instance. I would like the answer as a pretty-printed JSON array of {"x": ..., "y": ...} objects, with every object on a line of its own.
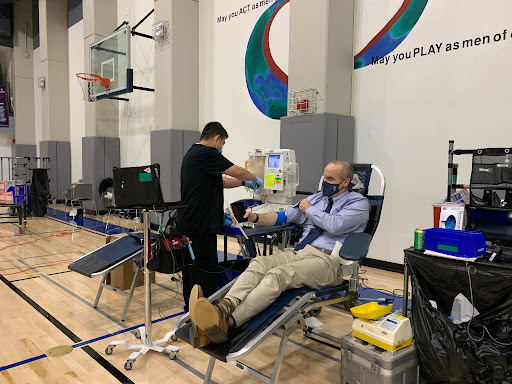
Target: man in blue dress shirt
[{"x": 327, "y": 216}]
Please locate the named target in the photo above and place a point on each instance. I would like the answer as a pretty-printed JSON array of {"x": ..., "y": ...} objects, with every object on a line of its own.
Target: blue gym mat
[{"x": 87, "y": 223}]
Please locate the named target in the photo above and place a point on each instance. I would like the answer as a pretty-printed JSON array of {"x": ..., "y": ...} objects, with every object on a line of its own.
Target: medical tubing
[{"x": 192, "y": 256}]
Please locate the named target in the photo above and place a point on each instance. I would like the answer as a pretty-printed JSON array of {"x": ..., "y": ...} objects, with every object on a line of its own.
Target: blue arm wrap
[{"x": 281, "y": 218}]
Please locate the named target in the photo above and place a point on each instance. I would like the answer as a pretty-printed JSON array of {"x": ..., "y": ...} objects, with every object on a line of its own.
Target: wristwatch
[{"x": 257, "y": 218}]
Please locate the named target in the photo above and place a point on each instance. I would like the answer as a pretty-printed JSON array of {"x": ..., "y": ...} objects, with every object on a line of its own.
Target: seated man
[{"x": 327, "y": 216}]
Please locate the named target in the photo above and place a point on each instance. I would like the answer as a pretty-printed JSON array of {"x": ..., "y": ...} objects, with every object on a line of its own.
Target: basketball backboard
[{"x": 110, "y": 58}]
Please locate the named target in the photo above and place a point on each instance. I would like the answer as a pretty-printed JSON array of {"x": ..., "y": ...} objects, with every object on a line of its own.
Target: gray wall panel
[
  {"x": 63, "y": 166},
  {"x": 306, "y": 135},
  {"x": 189, "y": 138},
  {"x": 317, "y": 140},
  {"x": 331, "y": 138},
  {"x": 160, "y": 153},
  {"x": 93, "y": 167},
  {"x": 112, "y": 154},
  {"x": 168, "y": 148},
  {"x": 49, "y": 149},
  {"x": 175, "y": 163},
  {"x": 346, "y": 138},
  {"x": 24, "y": 150}
]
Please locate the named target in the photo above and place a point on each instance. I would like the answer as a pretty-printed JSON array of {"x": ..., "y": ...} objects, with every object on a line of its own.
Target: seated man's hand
[
  {"x": 255, "y": 185},
  {"x": 304, "y": 205},
  {"x": 250, "y": 216},
  {"x": 227, "y": 220}
]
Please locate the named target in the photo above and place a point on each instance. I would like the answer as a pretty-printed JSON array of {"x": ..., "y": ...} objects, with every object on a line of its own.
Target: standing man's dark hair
[{"x": 213, "y": 129}]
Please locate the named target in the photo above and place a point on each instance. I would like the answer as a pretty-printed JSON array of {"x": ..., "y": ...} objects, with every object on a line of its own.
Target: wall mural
[
  {"x": 392, "y": 35},
  {"x": 266, "y": 82}
]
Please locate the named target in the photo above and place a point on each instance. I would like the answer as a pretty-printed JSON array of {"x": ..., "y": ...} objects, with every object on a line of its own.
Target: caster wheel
[
  {"x": 170, "y": 355},
  {"x": 128, "y": 365},
  {"x": 315, "y": 312},
  {"x": 109, "y": 350},
  {"x": 22, "y": 230},
  {"x": 137, "y": 335},
  {"x": 305, "y": 332},
  {"x": 174, "y": 338}
]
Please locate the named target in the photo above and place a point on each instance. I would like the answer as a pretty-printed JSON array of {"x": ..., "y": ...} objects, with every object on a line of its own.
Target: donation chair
[{"x": 294, "y": 305}]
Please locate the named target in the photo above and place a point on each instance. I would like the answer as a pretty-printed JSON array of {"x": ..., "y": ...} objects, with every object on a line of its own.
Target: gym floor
[{"x": 46, "y": 306}]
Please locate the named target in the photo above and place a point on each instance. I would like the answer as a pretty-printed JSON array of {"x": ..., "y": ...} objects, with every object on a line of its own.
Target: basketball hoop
[{"x": 90, "y": 83}]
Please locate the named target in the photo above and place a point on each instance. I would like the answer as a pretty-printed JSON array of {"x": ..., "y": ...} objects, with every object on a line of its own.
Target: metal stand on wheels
[{"x": 145, "y": 331}]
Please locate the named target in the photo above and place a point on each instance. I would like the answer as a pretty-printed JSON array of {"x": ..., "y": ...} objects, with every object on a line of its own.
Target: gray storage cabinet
[{"x": 363, "y": 363}]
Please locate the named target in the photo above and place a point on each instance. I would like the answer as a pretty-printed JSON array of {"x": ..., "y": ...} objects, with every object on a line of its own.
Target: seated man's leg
[
  {"x": 312, "y": 270},
  {"x": 216, "y": 320},
  {"x": 257, "y": 269}
]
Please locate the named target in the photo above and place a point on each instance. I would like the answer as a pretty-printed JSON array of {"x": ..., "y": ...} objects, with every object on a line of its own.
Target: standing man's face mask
[{"x": 221, "y": 146}]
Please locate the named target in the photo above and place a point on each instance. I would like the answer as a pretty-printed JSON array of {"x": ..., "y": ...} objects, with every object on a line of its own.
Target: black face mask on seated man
[{"x": 329, "y": 189}]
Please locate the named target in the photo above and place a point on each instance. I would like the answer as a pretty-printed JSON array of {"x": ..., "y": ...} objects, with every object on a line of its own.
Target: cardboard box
[{"x": 121, "y": 277}]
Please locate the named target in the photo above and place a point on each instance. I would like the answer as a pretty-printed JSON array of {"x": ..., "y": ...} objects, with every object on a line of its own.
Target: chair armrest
[{"x": 355, "y": 246}]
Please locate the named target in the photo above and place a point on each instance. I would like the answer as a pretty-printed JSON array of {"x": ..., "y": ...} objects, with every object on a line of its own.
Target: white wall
[
  {"x": 136, "y": 117},
  {"x": 76, "y": 102},
  {"x": 222, "y": 88},
  {"x": 406, "y": 112}
]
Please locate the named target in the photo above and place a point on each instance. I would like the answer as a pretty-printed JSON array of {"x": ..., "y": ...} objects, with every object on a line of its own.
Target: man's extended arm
[
  {"x": 230, "y": 182},
  {"x": 269, "y": 218},
  {"x": 240, "y": 173}
]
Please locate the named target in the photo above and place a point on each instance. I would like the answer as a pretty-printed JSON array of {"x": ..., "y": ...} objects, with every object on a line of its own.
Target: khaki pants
[{"x": 267, "y": 277}]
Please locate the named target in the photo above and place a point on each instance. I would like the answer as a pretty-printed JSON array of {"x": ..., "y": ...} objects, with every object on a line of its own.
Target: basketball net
[{"x": 90, "y": 83}]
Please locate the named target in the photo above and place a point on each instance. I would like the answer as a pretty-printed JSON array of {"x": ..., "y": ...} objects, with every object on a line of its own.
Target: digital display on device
[
  {"x": 238, "y": 211},
  {"x": 274, "y": 161}
]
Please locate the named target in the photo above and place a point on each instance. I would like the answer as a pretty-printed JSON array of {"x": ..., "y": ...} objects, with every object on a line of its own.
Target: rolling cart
[{"x": 15, "y": 175}]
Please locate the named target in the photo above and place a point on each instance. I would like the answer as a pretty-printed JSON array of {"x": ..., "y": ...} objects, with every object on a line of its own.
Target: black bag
[
  {"x": 446, "y": 352},
  {"x": 170, "y": 250},
  {"x": 39, "y": 191}
]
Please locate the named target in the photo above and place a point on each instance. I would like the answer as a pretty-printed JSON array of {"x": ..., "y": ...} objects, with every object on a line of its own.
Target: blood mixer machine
[{"x": 280, "y": 174}]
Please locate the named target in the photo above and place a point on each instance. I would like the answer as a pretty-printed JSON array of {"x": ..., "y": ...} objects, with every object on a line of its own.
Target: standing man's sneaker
[{"x": 198, "y": 337}]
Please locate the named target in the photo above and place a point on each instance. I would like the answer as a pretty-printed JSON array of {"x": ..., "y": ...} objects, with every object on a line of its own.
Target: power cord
[{"x": 472, "y": 271}]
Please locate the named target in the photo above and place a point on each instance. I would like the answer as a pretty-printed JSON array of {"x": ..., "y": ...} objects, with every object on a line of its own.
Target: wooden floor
[{"x": 44, "y": 305}]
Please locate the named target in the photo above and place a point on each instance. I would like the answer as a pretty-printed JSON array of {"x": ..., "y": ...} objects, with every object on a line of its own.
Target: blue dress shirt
[{"x": 349, "y": 213}]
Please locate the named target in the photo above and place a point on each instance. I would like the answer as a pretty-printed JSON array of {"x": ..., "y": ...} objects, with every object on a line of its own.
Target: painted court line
[{"x": 34, "y": 257}]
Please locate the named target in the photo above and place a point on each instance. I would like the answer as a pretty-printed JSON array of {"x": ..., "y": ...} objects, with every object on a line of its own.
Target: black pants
[{"x": 204, "y": 269}]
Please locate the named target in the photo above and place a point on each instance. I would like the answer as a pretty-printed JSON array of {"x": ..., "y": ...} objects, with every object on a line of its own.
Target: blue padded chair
[
  {"x": 355, "y": 248},
  {"x": 293, "y": 305}
]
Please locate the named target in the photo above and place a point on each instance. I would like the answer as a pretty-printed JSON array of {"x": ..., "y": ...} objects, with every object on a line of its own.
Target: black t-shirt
[{"x": 202, "y": 190}]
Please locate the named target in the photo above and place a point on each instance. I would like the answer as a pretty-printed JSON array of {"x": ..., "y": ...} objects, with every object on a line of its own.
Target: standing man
[{"x": 202, "y": 183}]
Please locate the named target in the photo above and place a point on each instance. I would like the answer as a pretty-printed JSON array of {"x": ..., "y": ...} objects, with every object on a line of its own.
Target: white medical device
[
  {"x": 280, "y": 174},
  {"x": 391, "y": 332}
]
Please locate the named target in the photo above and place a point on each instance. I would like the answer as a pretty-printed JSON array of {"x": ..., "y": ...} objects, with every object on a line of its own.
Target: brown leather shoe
[
  {"x": 209, "y": 318},
  {"x": 197, "y": 336}
]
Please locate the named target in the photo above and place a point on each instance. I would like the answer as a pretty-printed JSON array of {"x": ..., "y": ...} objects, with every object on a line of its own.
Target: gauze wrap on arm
[{"x": 281, "y": 218}]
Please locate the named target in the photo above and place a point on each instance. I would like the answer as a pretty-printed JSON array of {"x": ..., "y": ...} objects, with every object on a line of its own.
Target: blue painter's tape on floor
[
  {"x": 87, "y": 223},
  {"x": 22, "y": 362}
]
